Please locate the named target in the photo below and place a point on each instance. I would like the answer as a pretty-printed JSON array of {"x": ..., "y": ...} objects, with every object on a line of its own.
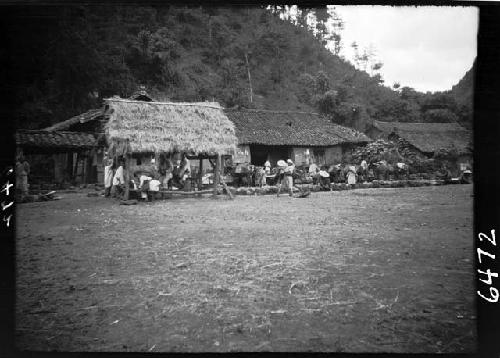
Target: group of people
[
  {"x": 286, "y": 171},
  {"x": 323, "y": 176},
  {"x": 164, "y": 174},
  {"x": 114, "y": 181}
]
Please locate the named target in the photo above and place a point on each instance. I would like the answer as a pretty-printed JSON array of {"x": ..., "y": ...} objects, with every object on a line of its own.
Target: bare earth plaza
[
  {"x": 353, "y": 271},
  {"x": 245, "y": 179}
]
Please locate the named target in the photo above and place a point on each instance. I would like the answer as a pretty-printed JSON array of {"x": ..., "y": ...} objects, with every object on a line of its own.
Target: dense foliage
[{"x": 67, "y": 59}]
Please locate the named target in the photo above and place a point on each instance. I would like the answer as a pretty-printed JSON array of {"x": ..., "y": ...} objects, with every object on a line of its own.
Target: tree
[
  {"x": 327, "y": 102},
  {"x": 335, "y": 29},
  {"x": 408, "y": 94},
  {"x": 440, "y": 116},
  {"x": 302, "y": 16},
  {"x": 322, "y": 83},
  {"x": 321, "y": 16},
  {"x": 355, "y": 48},
  {"x": 306, "y": 87}
]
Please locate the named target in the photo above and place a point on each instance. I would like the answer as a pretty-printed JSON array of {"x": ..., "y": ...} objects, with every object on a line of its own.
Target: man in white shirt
[
  {"x": 108, "y": 176},
  {"x": 288, "y": 177},
  {"x": 118, "y": 181}
]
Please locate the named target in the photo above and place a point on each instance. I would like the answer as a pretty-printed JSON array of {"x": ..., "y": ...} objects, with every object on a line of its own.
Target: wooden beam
[
  {"x": 201, "y": 156},
  {"x": 200, "y": 175},
  {"x": 126, "y": 175},
  {"x": 180, "y": 192},
  {"x": 84, "y": 168},
  {"x": 74, "y": 175},
  {"x": 217, "y": 174}
]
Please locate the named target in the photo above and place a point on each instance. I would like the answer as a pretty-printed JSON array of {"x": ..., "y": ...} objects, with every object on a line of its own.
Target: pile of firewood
[
  {"x": 392, "y": 152},
  {"x": 376, "y": 151}
]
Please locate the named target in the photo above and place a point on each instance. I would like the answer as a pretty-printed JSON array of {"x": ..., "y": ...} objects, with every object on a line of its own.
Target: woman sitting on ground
[{"x": 147, "y": 180}]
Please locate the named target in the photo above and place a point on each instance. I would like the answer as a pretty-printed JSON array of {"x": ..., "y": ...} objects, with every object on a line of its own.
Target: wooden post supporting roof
[
  {"x": 126, "y": 173},
  {"x": 217, "y": 174},
  {"x": 126, "y": 177},
  {"x": 200, "y": 175}
]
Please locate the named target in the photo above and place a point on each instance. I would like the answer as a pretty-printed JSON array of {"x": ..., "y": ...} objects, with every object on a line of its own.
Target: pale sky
[{"x": 428, "y": 48}]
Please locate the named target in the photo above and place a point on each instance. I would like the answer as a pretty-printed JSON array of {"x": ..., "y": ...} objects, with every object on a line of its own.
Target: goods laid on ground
[{"x": 304, "y": 190}]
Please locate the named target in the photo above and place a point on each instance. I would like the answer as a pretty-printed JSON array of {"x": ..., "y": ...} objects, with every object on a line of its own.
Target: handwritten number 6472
[{"x": 493, "y": 291}]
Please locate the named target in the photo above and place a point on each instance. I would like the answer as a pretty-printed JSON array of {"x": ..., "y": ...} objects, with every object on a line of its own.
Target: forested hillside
[{"x": 64, "y": 60}]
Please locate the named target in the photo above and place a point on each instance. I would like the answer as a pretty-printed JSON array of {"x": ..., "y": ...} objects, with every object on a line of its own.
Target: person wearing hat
[
  {"x": 288, "y": 176},
  {"x": 280, "y": 174},
  {"x": 324, "y": 179},
  {"x": 267, "y": 167}
]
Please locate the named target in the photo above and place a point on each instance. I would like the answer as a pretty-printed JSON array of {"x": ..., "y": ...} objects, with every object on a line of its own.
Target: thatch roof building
[
  {"x": 426, "y": 137},
  {"x": 93, "y": 120},
  {"x": 195, "y": 128}
]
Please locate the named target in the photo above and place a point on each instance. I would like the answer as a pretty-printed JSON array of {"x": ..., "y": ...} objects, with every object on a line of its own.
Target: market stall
[{"x": 191, "y": 131}]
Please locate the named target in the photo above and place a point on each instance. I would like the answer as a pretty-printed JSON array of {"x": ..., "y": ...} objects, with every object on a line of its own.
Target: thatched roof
[
  {"x": 88, "y": 116},
  {"x": 291, "y": 129},
  {"x": 51, "y": 139},
  {"x": 200, "y": 128},
  {"x": 429, "y": 137}
]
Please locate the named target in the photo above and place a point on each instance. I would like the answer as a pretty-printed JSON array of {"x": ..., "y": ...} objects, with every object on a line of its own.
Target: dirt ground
[{"x": 369, "y": 270}]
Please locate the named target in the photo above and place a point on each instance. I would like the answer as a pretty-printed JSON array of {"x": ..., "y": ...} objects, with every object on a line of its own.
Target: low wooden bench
[{"x": 164, "y": 193}]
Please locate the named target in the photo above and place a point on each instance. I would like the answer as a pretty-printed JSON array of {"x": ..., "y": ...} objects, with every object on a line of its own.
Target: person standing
[
  {"x": 118, "y": 181},
  {"x": 108, "y": 176},
  {"x": 22, "y": 172},
  {"x": 280, "y": 174},
  {"x": 363, "y": 171},
  {"x": 288, "y": 177},
  {"x": 351, "y": 175},
  {"x": 267, "y": 167}
]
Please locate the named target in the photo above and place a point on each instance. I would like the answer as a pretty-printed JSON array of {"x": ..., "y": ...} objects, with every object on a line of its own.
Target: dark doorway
[{"x": 260, "y": 153}]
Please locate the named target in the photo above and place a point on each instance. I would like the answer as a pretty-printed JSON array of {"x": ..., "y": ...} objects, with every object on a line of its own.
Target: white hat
[
  {"x": 289, "y": 161},
  {"x": 324, "y": 174},
  {"x": 281, "y": 163}
]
